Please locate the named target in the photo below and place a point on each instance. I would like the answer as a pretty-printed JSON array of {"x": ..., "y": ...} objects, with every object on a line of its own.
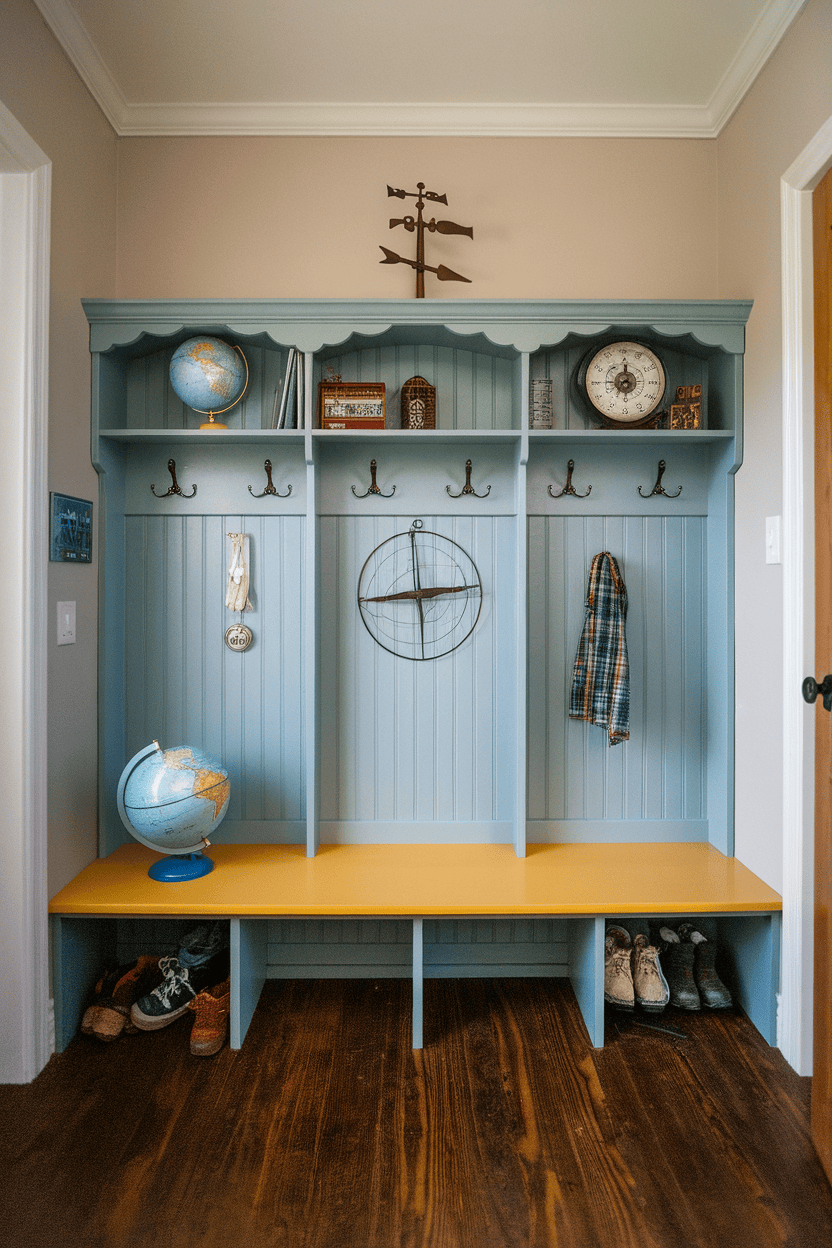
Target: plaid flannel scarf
[{"x": 601, "y": 675}]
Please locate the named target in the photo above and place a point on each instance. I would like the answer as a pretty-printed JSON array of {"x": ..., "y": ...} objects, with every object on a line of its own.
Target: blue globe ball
[
  {"x": 208, "y": 374},
  {"x": 172, "y": 800}
]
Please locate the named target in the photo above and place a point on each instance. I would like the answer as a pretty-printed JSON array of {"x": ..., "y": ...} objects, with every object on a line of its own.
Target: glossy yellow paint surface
[{"x": 426, "y": 880}]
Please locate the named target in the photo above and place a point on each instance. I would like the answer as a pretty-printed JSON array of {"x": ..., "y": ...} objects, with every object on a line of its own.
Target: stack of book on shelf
[{"x": 289, "y": 400}]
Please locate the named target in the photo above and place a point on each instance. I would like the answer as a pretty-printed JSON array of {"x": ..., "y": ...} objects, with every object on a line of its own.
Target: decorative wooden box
[
  {"x": 418, "y": 404},
  {"x": 351, "y": 404}
]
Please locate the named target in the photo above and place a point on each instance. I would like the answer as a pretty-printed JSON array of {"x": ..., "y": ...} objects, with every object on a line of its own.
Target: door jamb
[
  {"x": 30, "y": 1027},
  {"x": 794, "y": 1032}
]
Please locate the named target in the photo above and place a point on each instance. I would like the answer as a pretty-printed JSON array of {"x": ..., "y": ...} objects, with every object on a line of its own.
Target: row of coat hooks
[
  {"x": 373, "y": 488},
  {"x": 569, "y": 488},
  {"x": 175, "y": 487},
  {"x": 466, "y": 491}
]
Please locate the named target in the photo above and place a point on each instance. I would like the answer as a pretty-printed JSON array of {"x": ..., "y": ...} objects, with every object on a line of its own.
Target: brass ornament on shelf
[
  {"x": 686, "y": 412},
  {"x": 418, "y": 404},
  {"x": 418, "y": 225}
]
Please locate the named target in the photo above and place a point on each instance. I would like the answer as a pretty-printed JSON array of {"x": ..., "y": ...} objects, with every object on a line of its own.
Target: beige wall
[
  {"x": 47, "y": 98},
  {"x": 553, "y": 218},
  {"x": 304, "y": 217},
  {"x": 785, "y": 108}
]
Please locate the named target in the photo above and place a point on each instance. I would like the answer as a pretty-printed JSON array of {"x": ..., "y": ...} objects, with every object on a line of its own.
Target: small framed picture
[
  {"x": 70, "y": 529},
  {"x": 351, "y": 404}
]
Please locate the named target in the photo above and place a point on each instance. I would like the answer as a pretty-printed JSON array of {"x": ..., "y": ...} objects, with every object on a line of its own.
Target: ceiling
[{"x": 653, "y": 68}]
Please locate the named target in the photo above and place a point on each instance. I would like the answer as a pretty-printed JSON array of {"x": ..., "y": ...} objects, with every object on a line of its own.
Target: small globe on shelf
[
  {"x": 171, "y": 801},
  {"x": 210, "y": 376}
]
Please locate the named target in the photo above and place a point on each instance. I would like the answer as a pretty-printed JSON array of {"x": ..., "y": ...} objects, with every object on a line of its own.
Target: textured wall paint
[
  {"x": 305, "y": 217},
  {"x": 46, "y": 96},
  {"x": 786, "y": 107}
]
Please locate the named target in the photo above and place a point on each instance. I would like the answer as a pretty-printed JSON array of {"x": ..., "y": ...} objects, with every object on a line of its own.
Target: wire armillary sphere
[{"x": 419, "y": 594}]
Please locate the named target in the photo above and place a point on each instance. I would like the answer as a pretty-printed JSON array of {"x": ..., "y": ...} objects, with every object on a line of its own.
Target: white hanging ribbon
[{"x": 236, "y": 595}]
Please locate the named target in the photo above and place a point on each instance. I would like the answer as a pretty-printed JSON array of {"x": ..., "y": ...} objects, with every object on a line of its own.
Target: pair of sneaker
[
  {"x": 197, "y": 980},
  {"x": 690, "y": 961},
  {"x": 632, "y": 971}
]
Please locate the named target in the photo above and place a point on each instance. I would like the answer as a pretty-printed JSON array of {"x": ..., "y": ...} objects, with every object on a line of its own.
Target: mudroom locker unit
[{"x": 359, "y": 777}]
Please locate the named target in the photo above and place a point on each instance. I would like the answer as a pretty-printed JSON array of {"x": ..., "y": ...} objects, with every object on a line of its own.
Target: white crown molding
[
  {"x": 764, "y": 37},
  {"x": 71, "y": 34},
  {"x": 499, "y": 120}
]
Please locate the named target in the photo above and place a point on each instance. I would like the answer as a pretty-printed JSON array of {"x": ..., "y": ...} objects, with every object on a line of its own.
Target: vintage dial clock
[
  {"x": 419, "y": 594},
  {"x": 624, "y": 382}
]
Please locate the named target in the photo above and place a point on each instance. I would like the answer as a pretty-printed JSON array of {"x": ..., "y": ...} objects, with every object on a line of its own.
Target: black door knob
[{"x": 811, "y": 689}]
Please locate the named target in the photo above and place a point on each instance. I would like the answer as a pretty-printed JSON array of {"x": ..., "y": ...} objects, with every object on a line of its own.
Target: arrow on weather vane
[
  {"x": 444, "y": 274},
  {"x": 418, "y": 225}
]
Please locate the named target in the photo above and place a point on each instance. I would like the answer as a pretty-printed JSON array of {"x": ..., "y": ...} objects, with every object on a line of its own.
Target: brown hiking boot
[
  {"x": 211, "y": 1007},
  {"x": 618, "y": 975},
  {"x": 649, "y": 984},
  {"x": 111, "y": 1014}
]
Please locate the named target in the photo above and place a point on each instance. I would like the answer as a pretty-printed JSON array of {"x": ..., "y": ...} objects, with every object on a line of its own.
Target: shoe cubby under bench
[{"x": 583, "y": 885}]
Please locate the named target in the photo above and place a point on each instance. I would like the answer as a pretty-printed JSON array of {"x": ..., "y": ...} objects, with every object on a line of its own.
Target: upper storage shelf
[{"x": 479, "y": 355}]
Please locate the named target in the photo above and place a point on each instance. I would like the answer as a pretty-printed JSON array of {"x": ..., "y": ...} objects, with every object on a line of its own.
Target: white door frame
[
  {"x": 26, "y": 1041},
  {"x": 796, "y": 999}
]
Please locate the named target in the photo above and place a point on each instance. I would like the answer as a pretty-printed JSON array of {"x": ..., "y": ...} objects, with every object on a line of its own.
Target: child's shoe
[{"x": 211, "y": 1007}]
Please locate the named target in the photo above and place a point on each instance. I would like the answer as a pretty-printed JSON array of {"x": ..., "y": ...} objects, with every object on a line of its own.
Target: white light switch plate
[{"x": 66, "y": 623}]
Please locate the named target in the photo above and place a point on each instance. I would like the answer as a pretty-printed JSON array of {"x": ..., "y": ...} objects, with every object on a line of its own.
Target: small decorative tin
[
  {"x": 351, "y": 404},
  {"x": 418, "y": 404},
  {"x": 541, "y": 403},
  {"x": 686, "y": 412}
]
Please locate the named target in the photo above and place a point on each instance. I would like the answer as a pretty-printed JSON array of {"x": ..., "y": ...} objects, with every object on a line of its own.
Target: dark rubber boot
[
  {"x": 678, "y": 962},
  {"x": 712, "y": 992}
]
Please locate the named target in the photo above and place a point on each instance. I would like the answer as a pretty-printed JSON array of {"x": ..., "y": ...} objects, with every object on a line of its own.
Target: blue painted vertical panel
[
  {"x": 474, "y": 390},
  {"x": 575, "y": 779},
  {"x": 426, "y": 742},
  {"x": 184, "y": 686},
  {"x": 151, "y": 403},
  {"x": 248, "y": 957}
]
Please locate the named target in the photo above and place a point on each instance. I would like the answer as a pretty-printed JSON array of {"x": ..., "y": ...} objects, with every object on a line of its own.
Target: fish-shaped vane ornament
[{"x": 418, "y": 225}]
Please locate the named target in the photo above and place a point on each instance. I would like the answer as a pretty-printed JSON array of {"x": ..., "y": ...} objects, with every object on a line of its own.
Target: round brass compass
[{"x": 419, "y": 594}]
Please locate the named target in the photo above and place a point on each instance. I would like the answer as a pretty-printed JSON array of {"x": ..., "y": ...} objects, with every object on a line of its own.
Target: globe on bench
[{"x": 171, "y": 801}]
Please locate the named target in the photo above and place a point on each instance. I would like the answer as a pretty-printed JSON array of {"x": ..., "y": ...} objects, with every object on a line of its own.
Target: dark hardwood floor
[{"x": 327, "y": 1131}]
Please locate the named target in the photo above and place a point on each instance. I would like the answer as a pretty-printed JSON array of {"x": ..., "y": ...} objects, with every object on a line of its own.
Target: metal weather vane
[{"x": 418, "y": 225}]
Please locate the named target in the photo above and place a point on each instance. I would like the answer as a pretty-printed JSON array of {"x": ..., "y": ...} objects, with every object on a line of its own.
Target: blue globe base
[{"x": 178, "y": 867}]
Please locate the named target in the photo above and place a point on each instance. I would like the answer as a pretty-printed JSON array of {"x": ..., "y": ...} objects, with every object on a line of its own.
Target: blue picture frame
[{"x": 70, "y": 529}]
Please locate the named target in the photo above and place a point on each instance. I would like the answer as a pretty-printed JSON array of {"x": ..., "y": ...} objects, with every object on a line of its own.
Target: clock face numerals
[{"x": 625, "y": 382}]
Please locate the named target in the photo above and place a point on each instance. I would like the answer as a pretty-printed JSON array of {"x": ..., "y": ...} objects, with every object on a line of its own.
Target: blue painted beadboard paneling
[
  {"x": 149, "y": 401},
  {"x": 688, "y": 367},
  {"x": 382, "y": 948},
  {"x": 474, "y": 390},
  {"x": 577, "y": 784},
  {"x": 416, "y": 742},
  {"x": 184, "y": 686}
]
